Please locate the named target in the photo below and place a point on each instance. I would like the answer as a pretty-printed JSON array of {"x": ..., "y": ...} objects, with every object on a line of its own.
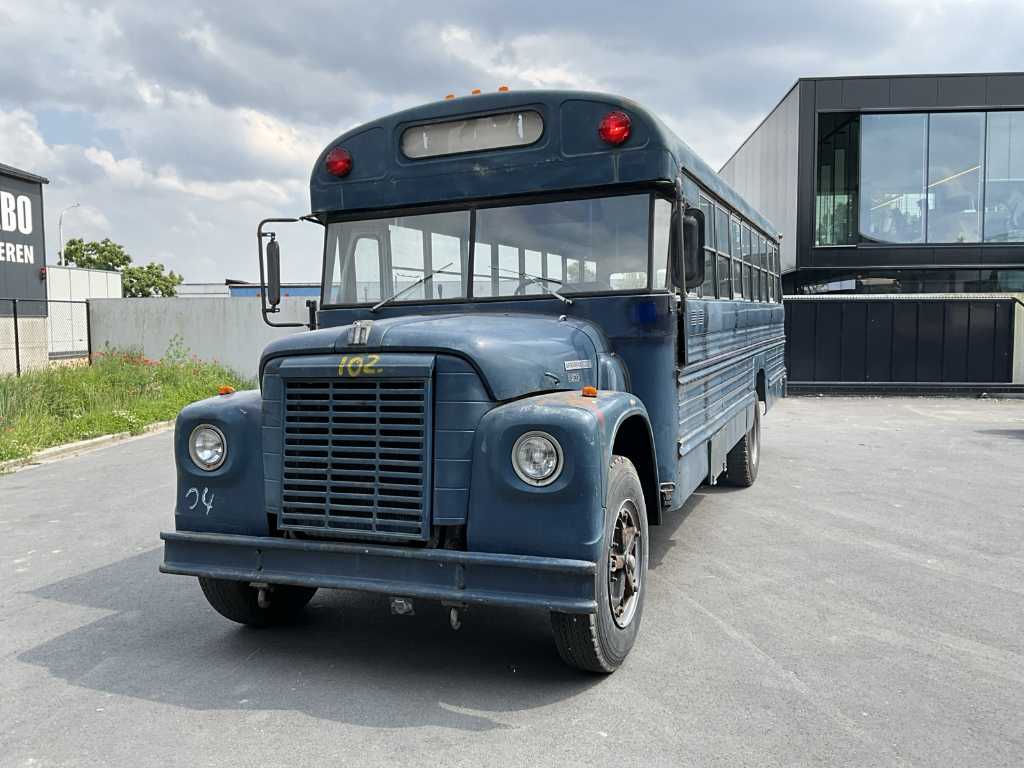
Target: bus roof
[{"x": 568, "y": 156}]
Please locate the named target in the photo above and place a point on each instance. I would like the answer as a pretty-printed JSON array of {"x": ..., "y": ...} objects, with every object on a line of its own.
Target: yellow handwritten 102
[{"x": 355, "y": 365}]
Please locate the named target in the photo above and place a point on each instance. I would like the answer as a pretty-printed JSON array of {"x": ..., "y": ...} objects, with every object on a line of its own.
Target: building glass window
[
  {"x": 737, "y": 279},
  {"x": 893, "y": 156},
  {"x": 940, "y": 177},
  {"x": 735, "y": 237},
  {"x": 836, "y": 202},
  {"x": 956, "y": 150},
  {"x": 1004, "y": 178}
]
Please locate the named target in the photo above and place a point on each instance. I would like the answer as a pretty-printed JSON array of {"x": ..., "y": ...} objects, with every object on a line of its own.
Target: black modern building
[
  {"x": 904, "y": 184},
  {"x": 901, "y": 204},
  {"x": 22, "y": 244}
]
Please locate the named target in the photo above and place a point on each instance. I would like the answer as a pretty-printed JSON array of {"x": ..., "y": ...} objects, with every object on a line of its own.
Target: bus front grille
[{"x": 355, "y": 458}]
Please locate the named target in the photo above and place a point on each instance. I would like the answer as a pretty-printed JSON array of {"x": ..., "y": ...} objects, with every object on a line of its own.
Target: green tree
[
  {"x": 105, "y": 254},
  {"x": 143, "y": 281},
  {"x": 150, "y": 280}
]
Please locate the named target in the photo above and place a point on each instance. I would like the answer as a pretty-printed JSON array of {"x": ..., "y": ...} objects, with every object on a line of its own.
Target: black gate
[{"x": 909, "y": 342}]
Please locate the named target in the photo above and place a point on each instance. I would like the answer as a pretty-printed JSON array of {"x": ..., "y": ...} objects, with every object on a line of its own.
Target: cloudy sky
[{"x": 179, "y": 125}]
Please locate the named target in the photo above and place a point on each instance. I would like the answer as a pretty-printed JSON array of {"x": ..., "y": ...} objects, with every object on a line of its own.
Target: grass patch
[{"x": 119, "y": 392}]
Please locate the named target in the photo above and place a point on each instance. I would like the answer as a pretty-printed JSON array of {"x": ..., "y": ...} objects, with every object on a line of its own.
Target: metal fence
[
  {"x": 909, "y": 342},
  {"x": 34, "y": 332}
]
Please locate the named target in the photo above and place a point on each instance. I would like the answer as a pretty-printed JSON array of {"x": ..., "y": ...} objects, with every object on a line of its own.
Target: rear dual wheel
[
  {"x": 744, "y": 459},
  {"x": 599, "y": 642}
]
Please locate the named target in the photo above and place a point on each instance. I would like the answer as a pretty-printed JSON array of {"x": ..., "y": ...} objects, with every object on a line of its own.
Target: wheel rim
[{"x": 625, "y": 564}]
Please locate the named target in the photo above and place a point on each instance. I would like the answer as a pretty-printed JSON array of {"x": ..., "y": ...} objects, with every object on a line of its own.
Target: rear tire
[
  {"x": 743, "y": 460},
  {"x": 599, "y": 642},
  {"x": 237, "y": 601}
]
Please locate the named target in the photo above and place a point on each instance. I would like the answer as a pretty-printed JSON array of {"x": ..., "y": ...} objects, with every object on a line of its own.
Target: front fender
[
  {"x": 565, "y": 518},
  {"x": 230, "y": 498}
]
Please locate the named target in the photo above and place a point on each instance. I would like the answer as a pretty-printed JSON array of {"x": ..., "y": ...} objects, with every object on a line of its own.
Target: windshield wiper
[
  {"x": 408, "y": 288},
  {"x": 538, "y": 280}
]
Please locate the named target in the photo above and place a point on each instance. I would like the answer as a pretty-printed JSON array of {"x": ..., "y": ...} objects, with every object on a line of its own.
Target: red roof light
[
  {"x": 338, "y": 162},
  {"x": 614, "y": 127}
]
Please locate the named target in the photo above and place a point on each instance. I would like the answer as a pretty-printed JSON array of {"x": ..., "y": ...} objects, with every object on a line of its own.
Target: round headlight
[
  {"x": 537, "y": 458},
  {"x": 207, "y": 447}
]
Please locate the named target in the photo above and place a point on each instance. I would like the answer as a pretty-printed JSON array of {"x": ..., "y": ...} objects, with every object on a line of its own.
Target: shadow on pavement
[{"x": 348, "y": 660}]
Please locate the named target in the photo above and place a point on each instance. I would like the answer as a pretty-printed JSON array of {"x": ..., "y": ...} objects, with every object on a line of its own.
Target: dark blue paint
[
  {"x": 237, "y": 485},
  {"x": 569, "y": 156},
  {"x": 687, "y": 369},
  {"x": 470, "y": 578}
]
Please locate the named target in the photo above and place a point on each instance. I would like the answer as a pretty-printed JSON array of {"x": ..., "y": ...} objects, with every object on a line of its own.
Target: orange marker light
[
  {"x": 589, "y": 391},
  {"x": 502, "y": 89},
  {"x": 449, "y": 96},
  {"x": 475, "y": 92},
  {"x": 225, "y": 389}
]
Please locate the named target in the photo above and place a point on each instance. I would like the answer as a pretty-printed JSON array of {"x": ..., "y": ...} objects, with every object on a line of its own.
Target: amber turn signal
[
  {"x": 225, "y": 389},
  {"x": 589, "y": 391}
]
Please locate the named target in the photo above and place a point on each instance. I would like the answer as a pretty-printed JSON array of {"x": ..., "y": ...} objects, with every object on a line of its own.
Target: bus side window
[
  {"x": 722, "y": 231},
  {"x": 660, "y": 238},
  {"x": 367, "y": 269},
  {"x": 406, "y": 260},
  {"x": 735, "y": 237},
  {"x": 446, "y": 257},
  {"x": 748, "y": 290},
  {"x": 572, "y": 270},
  {"x": 554, "y": 264},
  {"x": 483, "y": 272},
  {"x": 533, "y": 265},
  {"x": 737, "y": 264},
  {"x": 508, "y": 270},
  {"x": 707, "y": 289}
]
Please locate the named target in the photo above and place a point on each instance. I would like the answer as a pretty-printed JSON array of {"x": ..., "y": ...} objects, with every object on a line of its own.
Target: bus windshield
[{"x": 594, "y": 245}]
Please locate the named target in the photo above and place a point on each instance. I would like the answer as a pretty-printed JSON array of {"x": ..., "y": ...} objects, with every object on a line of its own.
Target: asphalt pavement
[{"x": 861, "y": 605}]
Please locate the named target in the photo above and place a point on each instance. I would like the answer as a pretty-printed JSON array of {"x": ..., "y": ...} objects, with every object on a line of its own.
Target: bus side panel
[{"x": 728, "y": 344}]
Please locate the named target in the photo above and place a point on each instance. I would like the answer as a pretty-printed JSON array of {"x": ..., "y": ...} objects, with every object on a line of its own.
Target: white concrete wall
[
  {"x": 74, "y": 284},
  {"x": 68, "y": 323},
  {"x": 229, "y": 331}
]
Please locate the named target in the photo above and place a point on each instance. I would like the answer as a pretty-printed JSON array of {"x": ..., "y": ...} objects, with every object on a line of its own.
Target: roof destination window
[{"x": 476, "y": 134}]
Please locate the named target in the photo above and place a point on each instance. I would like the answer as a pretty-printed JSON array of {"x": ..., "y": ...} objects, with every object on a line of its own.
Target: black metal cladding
[
  {"x": 356, "y": 457},
  {"x": 911, "y": 339}
]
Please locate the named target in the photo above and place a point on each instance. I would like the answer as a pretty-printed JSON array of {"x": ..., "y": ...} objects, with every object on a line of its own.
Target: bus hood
[{"x": 517, "y": 354}]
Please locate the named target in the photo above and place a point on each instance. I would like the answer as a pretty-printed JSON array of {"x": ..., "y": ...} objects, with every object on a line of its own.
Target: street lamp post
[{"x": 60, "y": 229}]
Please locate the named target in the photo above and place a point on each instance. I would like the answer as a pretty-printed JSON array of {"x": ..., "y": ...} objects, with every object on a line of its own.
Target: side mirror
[
  {"x": 273, "y": 272},
  {"x": 693, "y": 247}
]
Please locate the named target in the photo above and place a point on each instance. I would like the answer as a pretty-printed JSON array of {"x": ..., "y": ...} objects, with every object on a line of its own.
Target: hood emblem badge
[{"x": 359, "y": 333}]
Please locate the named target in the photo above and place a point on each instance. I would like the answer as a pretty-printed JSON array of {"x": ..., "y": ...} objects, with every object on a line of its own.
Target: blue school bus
[{"x": 544, "y": 322}]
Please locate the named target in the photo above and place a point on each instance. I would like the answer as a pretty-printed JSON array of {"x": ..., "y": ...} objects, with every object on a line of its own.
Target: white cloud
[{"x": 195, "y": 121}]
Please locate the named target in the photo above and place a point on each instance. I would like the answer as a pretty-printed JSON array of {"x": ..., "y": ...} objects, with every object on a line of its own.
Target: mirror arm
[{"x": 264, "y": 308}]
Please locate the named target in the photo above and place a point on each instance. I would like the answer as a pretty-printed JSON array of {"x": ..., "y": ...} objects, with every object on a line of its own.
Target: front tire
[
  {"x": 744, "y": 459},
  {"x": 237, "y": 601},
  {"x": 600, "y": 642}
]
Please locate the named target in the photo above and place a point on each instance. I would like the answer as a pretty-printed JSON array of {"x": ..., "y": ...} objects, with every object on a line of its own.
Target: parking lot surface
[{"x": 861, "y": 605}]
